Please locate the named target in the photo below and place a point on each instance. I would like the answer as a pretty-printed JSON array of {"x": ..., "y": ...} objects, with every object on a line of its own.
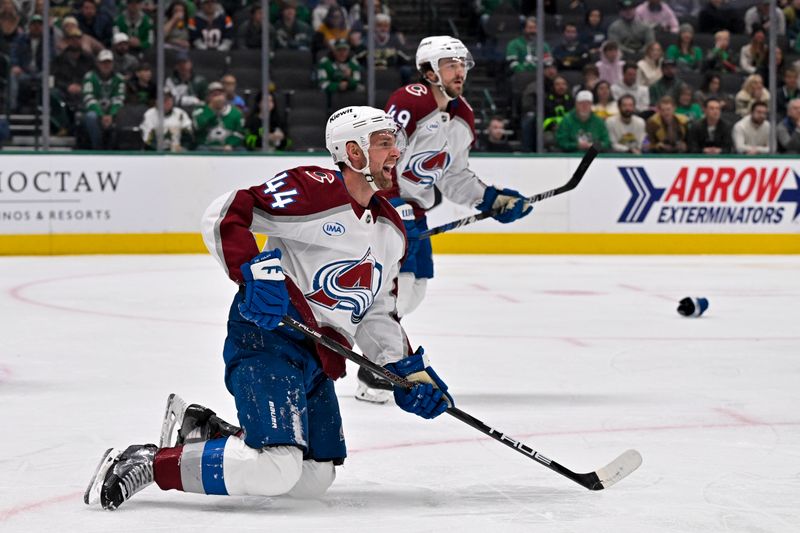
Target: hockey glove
[
  {"x": 266, "y": 299},
  {"x": 512, "y": 204},
  {"x": 429, "y": 397},
  {"x": 412, "y": 233}
]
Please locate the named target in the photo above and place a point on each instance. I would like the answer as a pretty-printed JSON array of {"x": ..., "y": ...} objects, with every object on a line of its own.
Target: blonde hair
[{"x": 750, "y": 80}]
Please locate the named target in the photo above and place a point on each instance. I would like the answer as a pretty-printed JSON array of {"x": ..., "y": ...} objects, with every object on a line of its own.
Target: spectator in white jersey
[{"x": 626, "y": 131}]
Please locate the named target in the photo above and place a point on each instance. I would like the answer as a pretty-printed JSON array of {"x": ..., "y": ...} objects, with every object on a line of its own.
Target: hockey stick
[
  {"x": 573, "y": 182},
  {"x": 601, "y": 478}
]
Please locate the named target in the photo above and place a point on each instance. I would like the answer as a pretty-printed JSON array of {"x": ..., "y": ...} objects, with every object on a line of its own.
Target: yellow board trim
[{"x": 451, "y": 243}]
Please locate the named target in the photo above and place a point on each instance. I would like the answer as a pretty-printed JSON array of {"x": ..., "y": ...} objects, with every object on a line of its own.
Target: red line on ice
[
  {"x": 17, "y": 294},
  {"x": 744, "y": 419},
  {"x": 494, "y": 293},
  {"x": 8, "y": 513},
  {"x": 743, "y": 422}
]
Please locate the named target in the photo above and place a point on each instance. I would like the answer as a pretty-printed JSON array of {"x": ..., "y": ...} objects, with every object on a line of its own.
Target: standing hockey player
[
  {"x": 440, "y": 126},
  {"x": 332, "y": 260}
]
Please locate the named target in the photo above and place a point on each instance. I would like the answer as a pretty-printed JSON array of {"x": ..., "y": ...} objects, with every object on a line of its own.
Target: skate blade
[
  {"x": 377, "y": 396},
  {"x": 176, "y": 407},
  {"x": 92, "y": 494}
]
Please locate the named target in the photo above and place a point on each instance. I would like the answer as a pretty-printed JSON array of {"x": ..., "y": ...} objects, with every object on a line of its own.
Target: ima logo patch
[
  {"x": 349, "y": 285},
  {"x": 426, "y": 168}
]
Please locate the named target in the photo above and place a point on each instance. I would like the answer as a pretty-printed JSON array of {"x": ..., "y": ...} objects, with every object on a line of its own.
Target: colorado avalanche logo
[
  {"x": 427, "y": 167},
  {"x": 348, "y": 285}
]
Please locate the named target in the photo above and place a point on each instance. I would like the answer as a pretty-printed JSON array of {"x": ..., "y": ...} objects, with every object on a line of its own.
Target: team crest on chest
[
  {"x": 426, "y": 168},
  {"x": 349, "y": 285}
]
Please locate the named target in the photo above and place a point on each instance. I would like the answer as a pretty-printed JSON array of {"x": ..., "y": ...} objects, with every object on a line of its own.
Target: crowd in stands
[{"x": 659, "y": 76}]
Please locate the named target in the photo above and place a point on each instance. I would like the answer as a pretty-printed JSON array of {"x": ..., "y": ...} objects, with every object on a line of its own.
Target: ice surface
[{"x": 579, "y": 357}]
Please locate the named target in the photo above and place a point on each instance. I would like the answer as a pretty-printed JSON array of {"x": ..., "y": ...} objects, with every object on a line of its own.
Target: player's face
[
  {"x": 453, "y": 73},
  {"x": 384, "y": 151}
]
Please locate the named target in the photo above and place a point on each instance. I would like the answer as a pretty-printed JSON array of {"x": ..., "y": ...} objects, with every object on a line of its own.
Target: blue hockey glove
[
  {"x": 412, "y": 233},
  {"x": 429, "y": 398},
  {"x": 266, "y": 299},
  {"x": 511, "y": 202}
]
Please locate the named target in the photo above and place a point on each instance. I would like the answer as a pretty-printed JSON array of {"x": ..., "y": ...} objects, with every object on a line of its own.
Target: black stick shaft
[
  {"x": 576, "y": 178},
  {"x": 590, "y": 480}
]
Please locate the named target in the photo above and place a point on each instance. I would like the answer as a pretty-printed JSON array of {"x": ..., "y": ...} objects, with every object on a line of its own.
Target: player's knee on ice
[
  {"x": 266, "y": 472},
  {"x": 315, "y": 480}
]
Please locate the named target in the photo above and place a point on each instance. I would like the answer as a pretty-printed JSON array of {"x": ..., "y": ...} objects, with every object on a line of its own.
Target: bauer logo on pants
[
  {"x": 713, "y": 195},
  {"x": 348, "y": 285}
]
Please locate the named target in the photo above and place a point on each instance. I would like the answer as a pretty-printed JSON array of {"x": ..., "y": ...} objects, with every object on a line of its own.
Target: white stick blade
[{"x": 619, "y": 468}]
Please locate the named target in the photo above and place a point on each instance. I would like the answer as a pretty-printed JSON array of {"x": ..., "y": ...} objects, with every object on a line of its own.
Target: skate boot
[
  {"x": 197, "y": 423},
  {"x": 372, "y": 388},
  {"x": 120, "y": 475}
]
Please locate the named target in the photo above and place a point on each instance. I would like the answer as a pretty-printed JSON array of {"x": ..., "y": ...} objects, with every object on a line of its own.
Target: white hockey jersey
[
  {"x": 438, "y": 149},
  {"x": 340, "y": 259}
]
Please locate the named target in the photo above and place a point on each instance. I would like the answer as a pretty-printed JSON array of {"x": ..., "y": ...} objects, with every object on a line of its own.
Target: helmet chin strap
[
  {"x": 440, "y": 85},
  {"x": 368, "y": 177}
]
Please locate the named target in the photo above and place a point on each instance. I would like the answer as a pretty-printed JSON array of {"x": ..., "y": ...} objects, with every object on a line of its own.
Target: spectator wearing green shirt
[
  {"x": 338, "y": 72},
  {"x": 138, "y": 26},
  {"x": 218, "y": 125},
  {"x": 686, "y": 55},
  {"x": 581, "y": 128},
  {"x": 720, "y": 58},
  {"x": 103, "y": 96},
  {"x": 521, "y": 52},
  {"x": 687, "y": 106}
]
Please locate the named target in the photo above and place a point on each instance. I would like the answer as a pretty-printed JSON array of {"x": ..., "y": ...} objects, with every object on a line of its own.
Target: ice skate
[
  {"x": 191, "y": 423},
  {"x": 176, "y": 407},
  {"x": 120, "y": 475},
  {"x": 372, "y": 388},
  {"x": 131, "y": 472},
  {"x": 92, "y": 494}
]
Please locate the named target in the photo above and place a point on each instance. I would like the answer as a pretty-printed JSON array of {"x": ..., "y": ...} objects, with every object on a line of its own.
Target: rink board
[{"x": 63, "y": 204}]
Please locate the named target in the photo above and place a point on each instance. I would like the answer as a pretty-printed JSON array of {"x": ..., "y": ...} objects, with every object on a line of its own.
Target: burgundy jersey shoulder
[
  {"x": 301, "y": 191},
  {"x": 410, "y": 104},
  {"x": 459, "y": 108}
]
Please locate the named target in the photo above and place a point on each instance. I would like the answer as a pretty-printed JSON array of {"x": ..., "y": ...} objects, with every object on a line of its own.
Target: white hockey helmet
[
  {"x": 356, "y": 124},
  {"x": 433, "y": 49}
]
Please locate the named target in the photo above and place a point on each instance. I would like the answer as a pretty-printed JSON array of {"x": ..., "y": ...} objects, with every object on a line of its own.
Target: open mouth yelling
[{"x": 387, "y": 170}]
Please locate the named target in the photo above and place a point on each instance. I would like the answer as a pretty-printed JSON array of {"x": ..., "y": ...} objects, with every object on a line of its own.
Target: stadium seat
[
  {"x": 300, "y": 98},
  {"x": 249, "y": 78},
  {"x": 340, "y": 100},
  {"x": 705, "y": 41},
  {"x": 387, "y": 79},
  {"x": 292, "y": 59},
  {"x": 292, "y": 78},
  {"x": 731, "y": 83},
  {"x": 308, "y": 116},
  {"x": 607, "y": 7},
  {"x": 692, "y": 79},
  {"x": 211, "y": 59},
  {"x": 245, "y": 58},
  {"x": 127, "y": 123},
  {"x": 308, "y": 138}
]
